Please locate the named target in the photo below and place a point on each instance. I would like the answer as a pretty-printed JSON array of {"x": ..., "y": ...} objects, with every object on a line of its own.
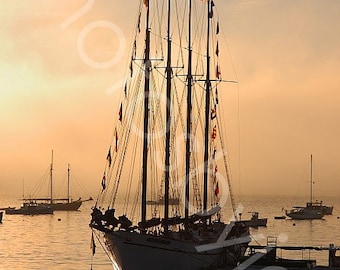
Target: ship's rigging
[{"x": 169, "y": 106}]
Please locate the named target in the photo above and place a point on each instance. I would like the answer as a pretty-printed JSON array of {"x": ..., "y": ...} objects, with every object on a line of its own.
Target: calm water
[
  {"x": 58, "y": 242},
  {"x": 62, "y": 241}
]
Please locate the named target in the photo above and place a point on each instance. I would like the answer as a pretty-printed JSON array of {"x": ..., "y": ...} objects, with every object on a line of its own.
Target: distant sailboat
[
  {"x": 173, "y": 199},
  {"x": 312, "y": 210},
  {"x": 150, "y": 239},
  {"x": 301, "y": 213},
  {"x": 57, "y": 204},
  {"x": 30, "y": 208}
]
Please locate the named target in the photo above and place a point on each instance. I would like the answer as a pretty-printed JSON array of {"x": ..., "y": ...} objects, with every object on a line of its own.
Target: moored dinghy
[{"x": 255, "y": 221}]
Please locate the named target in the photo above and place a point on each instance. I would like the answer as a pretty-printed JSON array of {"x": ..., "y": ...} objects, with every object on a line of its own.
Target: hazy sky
[{"x": 285, "y": 107}]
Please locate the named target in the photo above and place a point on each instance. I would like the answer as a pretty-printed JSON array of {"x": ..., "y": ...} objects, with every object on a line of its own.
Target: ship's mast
[
  {"x": 189, "y": 109},
  {"x": 51, "y": 179},
  {"x": 147, "y": 67},
  {"x": 68, "y": 182},
  {"x": 207, "y": 114},
  {"x": 168, "y": 120},
  {"x": 311, "y": 179}
]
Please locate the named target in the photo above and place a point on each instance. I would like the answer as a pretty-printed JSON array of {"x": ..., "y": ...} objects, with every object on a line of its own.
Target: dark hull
[
  {"x": 262, "y": 222},
  {"x": 132, "y": 250},
  {"x": 71, "y": 206},
  {"x": 31, "y": 210},
  {"x": 1, "y": 214},
  {"x": 62, "y": 206},
  {"x": 280, "y": 217},
  {"x": 298, "y": 216},
  {"x": 309, "y": 212}
]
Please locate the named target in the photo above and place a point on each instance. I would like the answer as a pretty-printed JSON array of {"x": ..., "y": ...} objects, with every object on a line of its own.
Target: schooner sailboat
[
  {"x": 185, "y": 116},
  {"x": 57, "y": 204},
  {"x": 312, "y": 210}
]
